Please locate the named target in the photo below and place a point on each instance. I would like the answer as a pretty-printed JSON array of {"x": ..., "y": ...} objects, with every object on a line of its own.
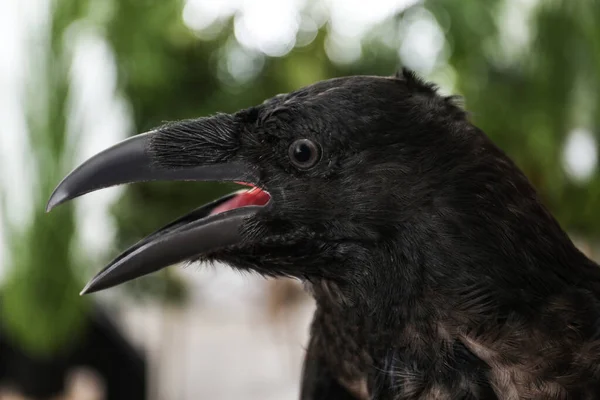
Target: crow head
[{"x": 340, "y": 172}]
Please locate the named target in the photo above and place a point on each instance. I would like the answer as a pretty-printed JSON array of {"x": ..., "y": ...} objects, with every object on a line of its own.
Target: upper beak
[{"x": 134, "y": 160}]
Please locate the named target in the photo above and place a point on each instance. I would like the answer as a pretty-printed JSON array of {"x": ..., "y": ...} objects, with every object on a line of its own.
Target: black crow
[{"x": 437, "y": 272}]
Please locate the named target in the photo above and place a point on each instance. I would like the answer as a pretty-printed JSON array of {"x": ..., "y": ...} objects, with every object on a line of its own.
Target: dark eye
[{"x": 304, "y": 153}]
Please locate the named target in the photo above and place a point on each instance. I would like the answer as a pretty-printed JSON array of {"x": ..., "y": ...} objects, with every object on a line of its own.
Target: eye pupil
[{"x": 304, "y": 153}]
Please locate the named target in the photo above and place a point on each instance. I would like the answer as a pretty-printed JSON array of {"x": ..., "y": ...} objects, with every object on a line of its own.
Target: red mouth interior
[{"x": 251, "y": 197}]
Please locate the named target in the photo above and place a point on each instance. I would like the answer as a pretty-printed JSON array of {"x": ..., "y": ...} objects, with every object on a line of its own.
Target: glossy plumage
[{"x": 437, "y": 272}]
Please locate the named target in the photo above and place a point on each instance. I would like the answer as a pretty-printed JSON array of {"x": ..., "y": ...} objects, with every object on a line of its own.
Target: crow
[{"x": 437, "y": 271}]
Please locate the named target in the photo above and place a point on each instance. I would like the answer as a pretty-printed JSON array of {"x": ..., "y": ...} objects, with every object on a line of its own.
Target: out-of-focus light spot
[
  {"x": 318, "y": 11},
  {"x": 274, "y": 27},
  {"x": 387, "y": 34},
  {"x": 269, "y": 26},
  {"x": 352, "y": 18},
  {"x": 580, "y": 155},
  {"x": 200, "y": 14},
  {"x": 240, "y": 63},
  {"x": 422, "y": 41},
  {"x": 514, "y": 18},
  {"x": 342, "y": 50},
  {"x": 307, "y": 32}
]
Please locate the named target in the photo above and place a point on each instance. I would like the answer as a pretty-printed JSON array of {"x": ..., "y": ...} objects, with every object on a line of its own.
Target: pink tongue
[{"x": 252, "y": 197}]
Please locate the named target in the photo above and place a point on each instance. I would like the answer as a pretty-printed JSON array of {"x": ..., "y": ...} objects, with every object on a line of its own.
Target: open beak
[{"x": 208, "y": 228}]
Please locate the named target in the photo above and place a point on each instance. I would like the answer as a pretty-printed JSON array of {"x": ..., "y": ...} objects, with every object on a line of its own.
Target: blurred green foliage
[{"x": 40, "y": 309}]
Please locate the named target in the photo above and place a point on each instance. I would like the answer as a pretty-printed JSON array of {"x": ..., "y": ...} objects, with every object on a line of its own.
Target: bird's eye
[{"x": 304, "y": 153}]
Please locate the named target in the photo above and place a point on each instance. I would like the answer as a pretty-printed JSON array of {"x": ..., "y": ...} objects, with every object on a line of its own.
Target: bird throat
[{"x": 337, "y": 331}]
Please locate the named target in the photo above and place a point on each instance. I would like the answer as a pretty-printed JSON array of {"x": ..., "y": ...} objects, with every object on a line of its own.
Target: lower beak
[
  {"x": 199, "y": 232},
  {"x": 192, "y": 235}
]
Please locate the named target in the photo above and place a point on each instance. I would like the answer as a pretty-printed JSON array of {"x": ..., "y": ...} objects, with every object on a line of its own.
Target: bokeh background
[{"x": 78, "y": 75}]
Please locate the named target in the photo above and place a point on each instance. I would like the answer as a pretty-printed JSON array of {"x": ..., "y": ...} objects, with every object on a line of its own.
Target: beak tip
[
  {"x": 49, "y": 206},
  {"x": 58, "y": 197},
  {"x": 89, "y": 288}
]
